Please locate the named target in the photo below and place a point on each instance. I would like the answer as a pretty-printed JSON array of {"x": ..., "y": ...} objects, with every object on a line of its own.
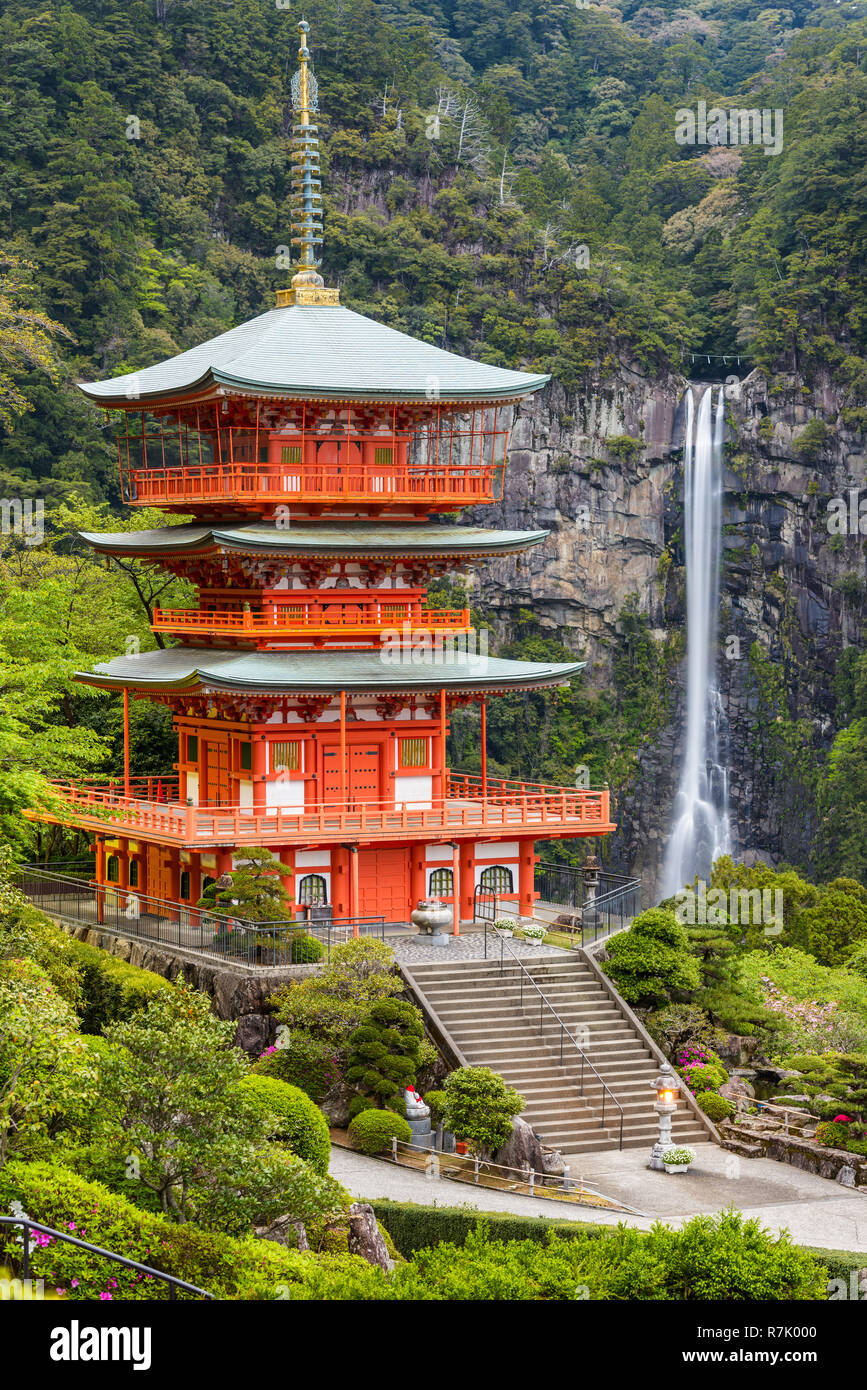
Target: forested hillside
[{"x": 501, "y": 178}]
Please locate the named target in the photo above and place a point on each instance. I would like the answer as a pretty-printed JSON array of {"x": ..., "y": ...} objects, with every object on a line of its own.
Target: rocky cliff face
[{"x": 789, "y": 585}]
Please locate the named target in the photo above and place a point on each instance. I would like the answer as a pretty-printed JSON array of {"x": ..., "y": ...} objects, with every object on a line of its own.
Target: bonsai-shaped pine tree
[
  {"x": 383, "y": 1053},
  {"x": 479, "y": 1107},
  {"x": 254, "y": 891}
]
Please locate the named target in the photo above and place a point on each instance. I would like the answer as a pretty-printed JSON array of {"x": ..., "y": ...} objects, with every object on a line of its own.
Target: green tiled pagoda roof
[
  {"x": 318, "y": 353},
  {"x": 350, "y": 538},
  {"x": 316, "y": 672}
]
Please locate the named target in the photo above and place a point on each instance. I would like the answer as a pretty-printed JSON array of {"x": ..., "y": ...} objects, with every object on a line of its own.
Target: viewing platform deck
[{"x": 152, "y": 811}]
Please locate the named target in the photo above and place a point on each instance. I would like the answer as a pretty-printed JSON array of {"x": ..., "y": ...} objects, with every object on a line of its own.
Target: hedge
[
  {"x": 226, "y": 1267},
  {"x": 306, "y": 1062},
  {"x": 301, "y": 1126},
  {"x": 112, "y": 989},
  {"x": 415, "y": 1228}
]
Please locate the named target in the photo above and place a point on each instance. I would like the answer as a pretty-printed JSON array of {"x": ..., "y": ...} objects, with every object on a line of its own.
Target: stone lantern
[{"x": 666, "y": 1086}]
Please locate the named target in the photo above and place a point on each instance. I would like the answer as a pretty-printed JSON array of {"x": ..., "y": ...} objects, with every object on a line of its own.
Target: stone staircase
[{"x": 481, "y": 1011}]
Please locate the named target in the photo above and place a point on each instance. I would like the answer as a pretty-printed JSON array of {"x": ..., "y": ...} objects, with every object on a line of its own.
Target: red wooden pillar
[
  {"x": 259, "y": 764},
  {"x": 126, "y": 741},
  {"x": 340, "y": 881},
  {"x": 224, "y": 861},
  {"x": 456, "y": 887},
  {"x": 484, "y": 712},
  {"x": 99, "y": 874},
  {"x": 353, "y": 886},
  {"x": 443, "y": 744},
  {"x": 526, "y": 888},
  {"x": 286, "y": 856},
  {"x": 343, "y": 752},
  {"x": 417, "y": 875},
  {"x": 468, "y": 878}
]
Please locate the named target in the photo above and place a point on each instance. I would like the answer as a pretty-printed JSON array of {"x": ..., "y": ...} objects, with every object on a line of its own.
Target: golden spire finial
[{"x": 307, "y": 285}]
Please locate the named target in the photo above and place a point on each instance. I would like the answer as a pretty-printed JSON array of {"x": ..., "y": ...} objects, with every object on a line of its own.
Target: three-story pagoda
[{"x": 311, "y": 686}]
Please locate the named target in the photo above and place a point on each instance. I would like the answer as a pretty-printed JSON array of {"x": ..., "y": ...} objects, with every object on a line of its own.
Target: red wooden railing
[
  {"x": 314, "y": 619},
  {"x": 468, "y": 807},
  {"x": 436, "y": 487}
]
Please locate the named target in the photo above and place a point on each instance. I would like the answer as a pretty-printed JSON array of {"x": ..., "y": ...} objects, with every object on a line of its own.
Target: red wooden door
[
  {"x": 362, "y": 773},
  {"x": 159, "y": 863},
  {"x": 383, "y": 884},
  {"x": 217, "y": 772}
]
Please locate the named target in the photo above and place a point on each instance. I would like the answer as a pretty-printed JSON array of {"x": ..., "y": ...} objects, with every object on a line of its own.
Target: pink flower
[
  {"x": 75, "y": 1283},
  {"x": 103, "y": 1296}
]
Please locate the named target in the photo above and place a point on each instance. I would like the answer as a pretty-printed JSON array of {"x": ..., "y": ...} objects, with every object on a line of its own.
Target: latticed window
[
  {"x": 192, "y": 749},
  {"x": 112, "y": 869},
  {"x": 290, "y": 613},
  {"x": 286, "y": 756},
  {"x": 290, "y": 453},
  {"x": 383, "y": 456},
  {"x": 312, "y": 890},
  {"x": 413, "y": 752},
  {"x": 496, "y": 879},
  {"x": 246, "y": 757},
  {"x": 185, "y": 885},
  {"x": 392, "y": 612},
  {"x": 133, "y": 873},
  {"x": 441, "y": 883}
]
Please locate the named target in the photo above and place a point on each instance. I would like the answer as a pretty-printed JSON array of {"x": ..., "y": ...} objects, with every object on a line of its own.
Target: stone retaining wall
[{"x": 236, "y": 991}]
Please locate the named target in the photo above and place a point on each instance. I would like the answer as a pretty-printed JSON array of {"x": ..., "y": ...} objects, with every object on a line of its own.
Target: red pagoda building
[{"x": 310, "y": 686}]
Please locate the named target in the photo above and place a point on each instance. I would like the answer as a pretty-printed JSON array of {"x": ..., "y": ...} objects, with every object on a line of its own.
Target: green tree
[
  {"x": 652, "y": 961},
  {"x": 479, "y": 1107}
]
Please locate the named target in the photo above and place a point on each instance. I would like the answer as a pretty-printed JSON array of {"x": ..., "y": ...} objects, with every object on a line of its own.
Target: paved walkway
[
  {"x": 816, "y": 1211},
  {"x": 469, "y": 947}
]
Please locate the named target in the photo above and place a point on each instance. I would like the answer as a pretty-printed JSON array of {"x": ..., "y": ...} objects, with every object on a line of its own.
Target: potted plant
[
  {"x": 534, "y": 932},
  {"x": 677, "y": 1160},
  {"x": 505, "y": 926}
]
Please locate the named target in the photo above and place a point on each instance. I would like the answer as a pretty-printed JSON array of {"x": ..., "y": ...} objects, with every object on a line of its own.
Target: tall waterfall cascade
[{"x": 700, "y": 821}]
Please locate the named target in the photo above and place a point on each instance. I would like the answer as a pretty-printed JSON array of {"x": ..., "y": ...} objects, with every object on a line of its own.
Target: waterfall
[{"x": 700, "y": 829}]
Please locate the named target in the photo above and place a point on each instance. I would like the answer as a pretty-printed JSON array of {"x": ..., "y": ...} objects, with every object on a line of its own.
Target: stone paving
[
  {"x": 411, "y": 951},
  {"x": 815, "y": 1210}
]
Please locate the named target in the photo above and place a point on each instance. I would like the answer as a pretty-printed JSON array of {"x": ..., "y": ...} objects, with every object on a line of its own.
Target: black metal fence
[
  {"x": 19, "y": 1250},
  {"x": 604, "y": 901},
  {"x": 125, "y": 912}
]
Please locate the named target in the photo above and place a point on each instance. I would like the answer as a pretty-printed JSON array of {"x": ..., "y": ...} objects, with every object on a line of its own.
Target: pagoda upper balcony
[
  {"x": 199, "y": 459},
  {"x": 151, "y": 811},
  {"x": 327, "y": 620}
]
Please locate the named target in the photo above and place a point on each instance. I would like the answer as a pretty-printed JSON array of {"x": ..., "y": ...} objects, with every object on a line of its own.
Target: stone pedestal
[{"x": 422, "y": 1138}]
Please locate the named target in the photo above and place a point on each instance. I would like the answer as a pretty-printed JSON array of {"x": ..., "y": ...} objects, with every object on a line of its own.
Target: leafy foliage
[
  {"x": 372, "y": 1130},
  {"x": 479, "y": 1107},
  {"x": 384, "y": 1053},
  {"x": 652, "y": 959}
]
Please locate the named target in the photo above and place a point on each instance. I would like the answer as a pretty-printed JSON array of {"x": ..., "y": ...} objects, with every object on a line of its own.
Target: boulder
[
  {"x": 365, "y": 1237},
  {"x": 284, "y": 1230},
  {"x": 553, "y": 1163},
  {"x": 846, "y": 1176},
  {"x": 253, "y": 1033},
  {"x": 522, "y": 1149},
  {"x": 737, "y": 1088},
  {"x": 336, "y": 1102}
]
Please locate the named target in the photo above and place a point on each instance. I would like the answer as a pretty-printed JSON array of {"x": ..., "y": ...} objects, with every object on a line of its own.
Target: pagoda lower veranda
[{"x": 311, "y": 687}]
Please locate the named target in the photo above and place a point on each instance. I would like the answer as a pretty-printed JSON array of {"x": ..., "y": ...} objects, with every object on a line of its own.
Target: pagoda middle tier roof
[
  {"x": 351, "y": 538},
  {"x": 309, "y": 352},
  {"x": 190, "y": 669}
]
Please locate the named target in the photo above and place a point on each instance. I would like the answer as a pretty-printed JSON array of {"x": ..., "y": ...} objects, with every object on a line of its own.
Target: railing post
[{"x": 25, "y": 1255}]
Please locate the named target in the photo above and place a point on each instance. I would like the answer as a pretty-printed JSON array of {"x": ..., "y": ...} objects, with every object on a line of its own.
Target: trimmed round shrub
[
  {"x": 305, "y": 1061},
  {"x": 359, "y": 1104},
  {"x": 832, "y": 1135},
  {"x": 437, "y": 1102},
  {"x": 715, "y": 1106},
  {"x": 373, "y": 1130},
  {"x": 298, "y": 1123}
]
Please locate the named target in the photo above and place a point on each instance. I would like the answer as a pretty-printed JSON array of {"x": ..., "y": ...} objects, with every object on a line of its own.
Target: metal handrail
[
  {"x": 184, "y": 924},
  {"x": 30, "y": 1225},
  {"x": 544, "y": 1002}
]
